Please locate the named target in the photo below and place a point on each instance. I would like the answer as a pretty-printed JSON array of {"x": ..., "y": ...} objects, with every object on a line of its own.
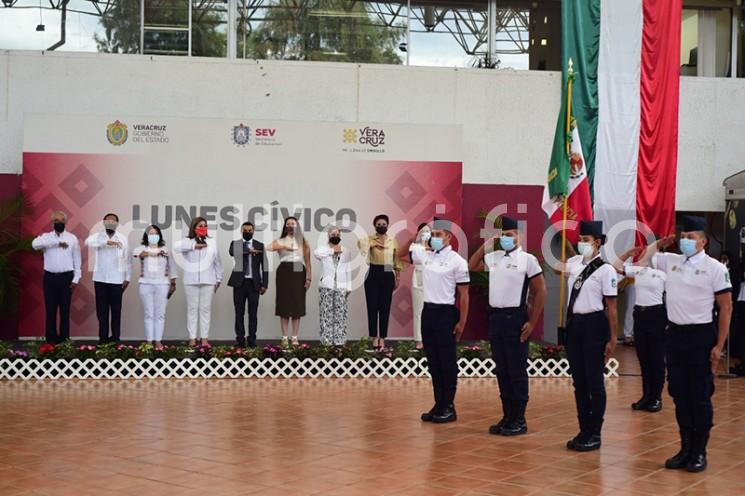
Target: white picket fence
[{"x": 175, "y": 368}]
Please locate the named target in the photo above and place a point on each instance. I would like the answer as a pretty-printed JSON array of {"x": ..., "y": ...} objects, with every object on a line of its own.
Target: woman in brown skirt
[{"x": 293, "y": 277}]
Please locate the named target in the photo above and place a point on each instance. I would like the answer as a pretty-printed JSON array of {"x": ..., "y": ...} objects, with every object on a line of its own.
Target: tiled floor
[{"x": 341, "y": 437}]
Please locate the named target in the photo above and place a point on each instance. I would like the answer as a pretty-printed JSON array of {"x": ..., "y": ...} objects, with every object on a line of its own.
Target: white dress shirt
[
  {"x": 603, "y": 283},
  {"x": 442, "y": 271},
  {"x": 113, "y": 264},
  {"x": 336, "y": 272},
  {"x": 155, "y": 270},
  {"x": 56, "y": 258},
  {"x": 692, "y": 285},
  {"x": 649, "y": 285},
  {"x": 200, "y": 266},
  {"x": 509, "y": 273}
]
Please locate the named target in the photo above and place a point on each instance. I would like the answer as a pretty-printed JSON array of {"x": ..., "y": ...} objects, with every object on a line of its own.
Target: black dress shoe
[
  {"x": 240, "y": 343},
  {"x": 514, "y": 428},
  {"x": 590, "y": 443},
  {"x": 654, "y": 406},
  {"x": 697, "y": 463},
  {"x": 427, "y": 416},
  {"x": 641, "y": 404},
  {"x": 447, "y": 415},
  {"x": 496, "y": 428},
  {"x": 581, "y": 437}
]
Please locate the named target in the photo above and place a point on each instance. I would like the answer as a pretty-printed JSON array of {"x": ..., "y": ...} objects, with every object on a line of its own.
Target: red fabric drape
[{"x": 658, "y": 139}]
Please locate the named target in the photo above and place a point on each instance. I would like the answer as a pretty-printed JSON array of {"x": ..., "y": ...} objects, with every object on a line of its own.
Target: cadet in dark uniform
[
  {"x": 693, "y": 344},
  {"x": 511, "y": 273},
  {"x": 444, "y": 273},
  {"x": 650, "y": 322},
  {"x": 591, "y": 334}
]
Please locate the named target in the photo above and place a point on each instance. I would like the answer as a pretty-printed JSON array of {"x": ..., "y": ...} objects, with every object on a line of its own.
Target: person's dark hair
[
  {"x": 421, "y": 226},
  {"x": 298, "y": 233},
  {"x": 248, "y": 223},
  {"x": 111, "y": 214},
  {"x": 379, "y": 217},
  {"x": 145, "y": 242},
  {"x": 193, "y": 226}
]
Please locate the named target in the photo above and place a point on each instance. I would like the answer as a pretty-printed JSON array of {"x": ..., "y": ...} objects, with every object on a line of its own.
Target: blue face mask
[
  {"x": 436, "y": 243},
  {"x": 153, "y": 239},
  {"x": 687, "y": 246},
  {"x": 507, "y": 243}
]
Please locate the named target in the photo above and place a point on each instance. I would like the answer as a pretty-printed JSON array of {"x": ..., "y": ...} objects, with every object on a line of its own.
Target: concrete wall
[{"x": 508, "y": 117}]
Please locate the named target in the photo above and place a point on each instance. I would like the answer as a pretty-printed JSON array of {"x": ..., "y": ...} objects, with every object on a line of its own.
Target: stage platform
[{"x": 343, "y": 437}]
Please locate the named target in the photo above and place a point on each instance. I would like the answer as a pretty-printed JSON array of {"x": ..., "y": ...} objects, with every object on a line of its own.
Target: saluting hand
[
  {"x": 526, "y": 331},
  {"x": 666, "y": 241},
  {"x": 63, "y": 245}
]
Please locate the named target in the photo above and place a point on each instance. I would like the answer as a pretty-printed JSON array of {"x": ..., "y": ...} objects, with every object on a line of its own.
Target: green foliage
[{"x": 12, "y": 244}]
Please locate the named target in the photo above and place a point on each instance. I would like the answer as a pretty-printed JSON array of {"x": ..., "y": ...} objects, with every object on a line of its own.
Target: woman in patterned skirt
[{"x": 334, "y": 287}]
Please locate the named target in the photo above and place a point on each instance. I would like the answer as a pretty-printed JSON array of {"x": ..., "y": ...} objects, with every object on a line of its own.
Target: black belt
[
  {"x": 66, "y": 273},
  {"x": 690, "y": 327},
  {"x": 507, "y": 310},
  {"x": 641, "y": 308},
  {"x": 438, "y": 305},
  {"x": 586, "y": 315}
]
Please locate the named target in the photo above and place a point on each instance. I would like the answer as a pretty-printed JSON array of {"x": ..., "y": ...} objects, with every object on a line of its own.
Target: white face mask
[
  {"x": 424, "y": 236},
  {"x": 585, "y": 249}
]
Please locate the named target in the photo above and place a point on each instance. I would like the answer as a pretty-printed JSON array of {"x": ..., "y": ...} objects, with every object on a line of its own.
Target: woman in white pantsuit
[
  {"x": 202, "y": 277},
  {"x": 157, "y": 282},
  {"x": 424, "y": 232}
]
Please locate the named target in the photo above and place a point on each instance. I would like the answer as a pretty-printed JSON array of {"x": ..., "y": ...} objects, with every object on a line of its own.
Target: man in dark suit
[{"x": 249, "y": 280}]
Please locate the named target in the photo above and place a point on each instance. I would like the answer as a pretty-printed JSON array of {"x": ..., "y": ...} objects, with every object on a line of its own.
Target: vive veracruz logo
[
  {"x": 117, "y": 133},
  {"x": 371, "y": 140}
]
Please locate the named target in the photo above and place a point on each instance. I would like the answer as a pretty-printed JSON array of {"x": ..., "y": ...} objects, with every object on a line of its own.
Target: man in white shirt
[
  {"x": 111, "y": 276},
  {"x": 444, "y": 276},
  {"x": 693, "y": 345},
  {"x": 61, "y": 274},
  {"x": 512, "y": 272}
]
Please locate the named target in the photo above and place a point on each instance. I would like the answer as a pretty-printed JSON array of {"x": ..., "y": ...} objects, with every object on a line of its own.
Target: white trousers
[
  {"x": 417, "y": 304},
  {"x": 198, "y": 309},
  {"x": 154, "y": 300},
  {"x": 628, "y": 316}
]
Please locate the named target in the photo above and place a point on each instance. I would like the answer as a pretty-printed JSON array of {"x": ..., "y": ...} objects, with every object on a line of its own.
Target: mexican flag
[{"x": 622, "y": 96}]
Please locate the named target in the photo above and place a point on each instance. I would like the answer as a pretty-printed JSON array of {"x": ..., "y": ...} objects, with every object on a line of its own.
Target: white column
[
  {"x": 232, "y": 29},
  {"x": 707, "y": 43}
]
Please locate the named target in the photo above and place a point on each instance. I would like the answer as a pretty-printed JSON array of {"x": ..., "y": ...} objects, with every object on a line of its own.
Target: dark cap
[
  {"x": 508, "y": 224},
  {"x": 690, "y": 223},
  {"x": 591, "y": 228}
]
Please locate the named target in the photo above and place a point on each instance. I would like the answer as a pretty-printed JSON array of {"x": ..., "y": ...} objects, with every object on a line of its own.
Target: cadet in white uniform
[
  {"x": 591, "y": 334},
  {"x": 650, "y": 321},
  {"x": 695, "y": 281},
  {"x": 444, "y": 273},
  {"x": 511, "y": 273}
]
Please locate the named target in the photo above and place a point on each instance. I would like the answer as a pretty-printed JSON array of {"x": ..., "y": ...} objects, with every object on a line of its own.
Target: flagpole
[{"x": 562, "y": 286}]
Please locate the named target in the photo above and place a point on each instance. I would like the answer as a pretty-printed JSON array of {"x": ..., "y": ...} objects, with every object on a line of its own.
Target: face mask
[
  {"x": 507, "y": 243},
  {"x": 59, "y": 227},
  {"x": 110, "y": 226},
  {"x": 425, "y": 236},
  {"x": 436, "y": 243},
  {"x": 584, "y": 249},
  {"x": 335, "y": 240},
  {"x": 153, "y": 239},
  {"x": 687, "y": 246},
  {"x": 247, "y": 236},
  {"x": 381, "y": 229},
  {"x": 201, "y": 232}
]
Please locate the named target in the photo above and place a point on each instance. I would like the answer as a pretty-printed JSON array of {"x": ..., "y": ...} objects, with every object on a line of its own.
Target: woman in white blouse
[
  {"x": 202, "y": 278},
  {"x": 334, "y": 287},
  {"x": 157, "y": 282}
]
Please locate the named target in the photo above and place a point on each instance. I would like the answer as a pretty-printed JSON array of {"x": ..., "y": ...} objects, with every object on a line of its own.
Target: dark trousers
[
  {"x": 379, "y": 286},
  {"x": 244, "y": 294},
  {"x": 510, "y": 359},
  {"x": 689, "y": 375},
  {"x": 649, "y": 339},
  {"x": 57, "y": 296},
  {"x": 438, "y": 322},
  {"x": 587, "y": 336},
  {"x": 108, "y": 305}
]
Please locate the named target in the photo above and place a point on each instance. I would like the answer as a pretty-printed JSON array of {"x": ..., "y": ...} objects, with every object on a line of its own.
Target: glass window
[
  {"x": 329, "y": 30},
  {"x": 706, "y": 42},
  {"x": 165, "y": 29},
  {"x": 209, "y": 28}
]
